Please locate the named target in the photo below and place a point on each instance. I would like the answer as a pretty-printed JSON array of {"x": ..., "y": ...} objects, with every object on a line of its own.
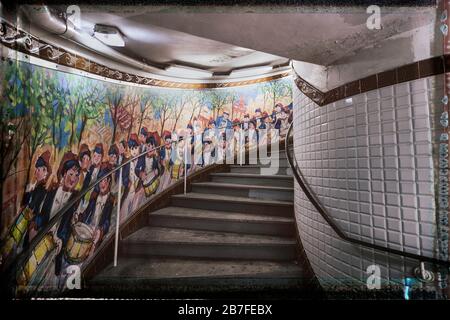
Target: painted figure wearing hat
[
  {"x": 19, "y": 234},
  {"x": 282, "y": 123},
  {"x": 209, "y": 143},
  {"x": 178, "y": 158},
  {"x": 166, "y": 151},
  {"x": 149, "y": 169},
  {"x": 121, "y": 148},
  {"x": 84, "y": 157},
  {"x": 94, "y": 169},
  {"x": 113, "y": 158},
  {"x": 252, "y": 133},
  {"x": 258, "y": 118},
  {"x": 68, "y": 175},
  {"x": 143, "y": 134},
  {"x": 130, "y": 177},
  {"x": 98, "y": 212},
  {"x": 56, "y": 198},
  {"x": 223, "y": 122}
]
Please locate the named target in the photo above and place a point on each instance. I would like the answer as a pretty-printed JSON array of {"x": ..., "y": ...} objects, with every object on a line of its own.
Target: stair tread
[
  {"x": 241, "y": 186},
  {"x": 219, "y": 215},
  {"x": 167, "y": 268},
  {"x": 173, "y": 235},
  {"x": 219, "y": 197},
  {"x": 253, "y": 175},
  {"x": 253, "y": 166}
]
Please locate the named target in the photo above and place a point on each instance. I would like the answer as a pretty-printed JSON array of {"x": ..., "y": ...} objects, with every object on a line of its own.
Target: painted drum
[
  {"x": 151, "y": 185},
  {"x": 80, "y": 243},
  {"x": 39, "y": 256},
  {"x": 176, "y": 171},
  {"x": 20, "y": 227}
]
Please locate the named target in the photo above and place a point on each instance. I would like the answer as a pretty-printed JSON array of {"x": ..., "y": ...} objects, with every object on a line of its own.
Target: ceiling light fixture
[
  {"x": 109, "y": 35},
  {"x": 188, "y": 71}
]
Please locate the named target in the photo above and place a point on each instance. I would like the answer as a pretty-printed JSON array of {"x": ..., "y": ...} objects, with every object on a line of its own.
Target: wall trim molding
[
  {"x": 21, "y": 41},
  {"x": 420, "y": 69}
]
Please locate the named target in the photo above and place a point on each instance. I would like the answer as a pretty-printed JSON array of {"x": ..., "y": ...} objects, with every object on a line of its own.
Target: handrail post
[
  {"x": 240, "y": 146},
  {"x": 185, "y": 164},
  {"x": 119, "y": 194}
]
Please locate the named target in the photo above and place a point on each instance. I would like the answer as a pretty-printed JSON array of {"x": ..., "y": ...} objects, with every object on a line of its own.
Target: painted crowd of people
[{"x": 152, "y": 162}]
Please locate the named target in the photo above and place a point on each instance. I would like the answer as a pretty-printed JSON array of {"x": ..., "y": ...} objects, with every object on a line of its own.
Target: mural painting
[{"x": 62, "y": 132}]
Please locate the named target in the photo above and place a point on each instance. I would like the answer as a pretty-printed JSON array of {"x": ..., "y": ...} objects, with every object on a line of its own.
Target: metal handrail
[
  {"x": 332, "y": 223},
  {"x": 24, "y": 255},
  {"x": 21, "y": 257}
]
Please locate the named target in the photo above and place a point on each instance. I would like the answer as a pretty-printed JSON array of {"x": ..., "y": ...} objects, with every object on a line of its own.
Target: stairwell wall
[{"x": 369, "y": 159}]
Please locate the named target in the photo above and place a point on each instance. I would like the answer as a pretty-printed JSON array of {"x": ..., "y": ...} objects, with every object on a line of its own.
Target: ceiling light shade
[
  {"x": 251, "y": 71},
  {"x": 185, "y": 71},
  {"x": 109, "y": 35}
]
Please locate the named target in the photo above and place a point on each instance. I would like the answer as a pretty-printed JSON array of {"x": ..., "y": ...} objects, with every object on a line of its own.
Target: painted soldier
[
  {"x": 149, "y": 169},
  {"x": 130, "y": 177},
  {"x": 209, "y": 140},
  {"x": 223, "y": 122},
  {"x": 56, "y": 198},
  {"x": 276, "y": 112},
  {"x": 245, "y": 122},
  {"x": 122, "y": 148},
  {"x": 84, "y": 157},
  {"x": 258, "y": 118},
  {"x": 68, "y": 175},
  {"x": 98, "y": 212},
  {"x": 113, "y": 158},
  {"x": 94, "y": 169},
  {"x": 166, "y": 151},
  {"x": 282, "y": 123},
  {"x": 24, "y": 226},
  {"x": 143, "y": 134}
]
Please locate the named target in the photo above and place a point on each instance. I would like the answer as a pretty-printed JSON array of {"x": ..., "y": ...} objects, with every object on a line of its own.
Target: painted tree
[
  {"x": 14, "y": 117},
  {"x": 39, "y": 99},
  {"x": 163, "y": 108},
  {"x": 277, "y": 89},
  {"x": 218, "y": 100},
  {"x": 233, "y": 98},
  {"x": 54, "y": 110},
  {"x": 145, "y": 108},
  {"x": 180, "y": 101},
  {"x": 72, "y": 99},
  {"x": 132, "y": 105},
  {"x": 92, "y": 106},
  {"x": 114, "y": 100},
  {"x": 196, "y": 101}
]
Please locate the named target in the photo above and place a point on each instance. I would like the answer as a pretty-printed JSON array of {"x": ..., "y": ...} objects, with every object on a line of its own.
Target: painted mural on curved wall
[{"x": 61, "y": 132}]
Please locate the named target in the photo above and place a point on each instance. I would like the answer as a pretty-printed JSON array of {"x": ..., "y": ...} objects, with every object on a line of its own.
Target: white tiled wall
[{"x": 369, "y": 160}]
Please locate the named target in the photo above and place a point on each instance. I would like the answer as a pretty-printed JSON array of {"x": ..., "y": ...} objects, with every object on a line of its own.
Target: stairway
[{"x": 233, "y": 235}]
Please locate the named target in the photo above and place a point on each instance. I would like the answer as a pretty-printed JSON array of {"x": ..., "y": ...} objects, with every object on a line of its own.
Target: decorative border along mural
[
  {"x": 413, "y": 71},
  {"x": 33, "y": 46}
]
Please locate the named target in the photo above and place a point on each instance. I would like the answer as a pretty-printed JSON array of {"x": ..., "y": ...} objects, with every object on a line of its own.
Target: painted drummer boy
[
  {"x": 149, "y": 169},
  {"x": 56, "y": 198},
  {"x": 19, "y": 235},
  {"x": 98, "y": 212}
]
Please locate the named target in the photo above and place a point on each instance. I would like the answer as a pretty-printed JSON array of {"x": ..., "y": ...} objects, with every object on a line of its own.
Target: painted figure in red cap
[{"x": 23, "y": 227}]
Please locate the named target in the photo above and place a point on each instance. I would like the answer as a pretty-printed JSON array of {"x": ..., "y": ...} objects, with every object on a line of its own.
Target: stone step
[
  {"x": 233, "y": 204},
  {"x": 157, "y": 241},
  {"x": 242, "y": 190},
  {"x": 253, "y": 179},
  {"x": 282, "y": 162},
  {"x": 170, "y": 277},
  {"x": 222, "y": 221},
  {"x": 259, "y": 169}
]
